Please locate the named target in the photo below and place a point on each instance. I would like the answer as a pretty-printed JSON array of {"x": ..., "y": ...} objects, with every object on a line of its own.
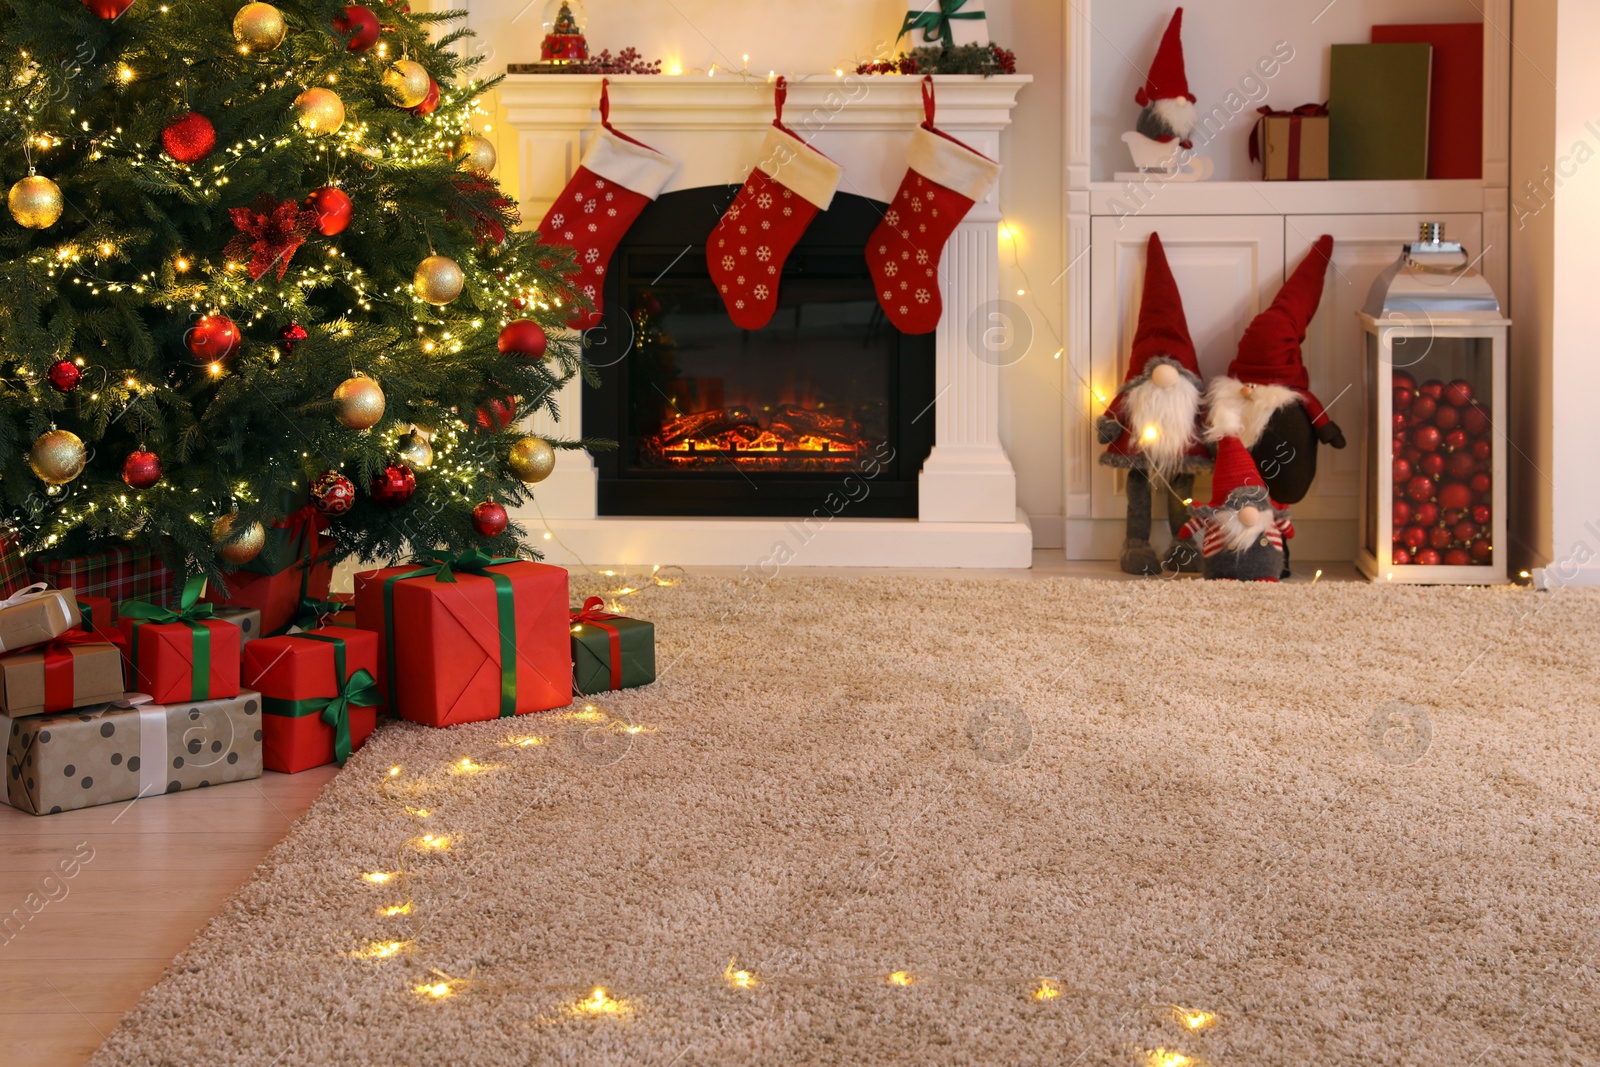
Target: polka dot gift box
[{"x": 115, "y": 752}]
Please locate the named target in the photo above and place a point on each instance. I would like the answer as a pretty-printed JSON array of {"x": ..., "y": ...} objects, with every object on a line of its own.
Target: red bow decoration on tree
[
  {"x": 484, "y": 206},
  {"x": 270, "y": 231}
]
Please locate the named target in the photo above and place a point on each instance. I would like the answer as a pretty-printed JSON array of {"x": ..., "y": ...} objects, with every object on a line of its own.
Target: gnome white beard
[
  {"x": 1171, "y": 411},
  {"x": 1236, "y": 536},
  {"x": 1179, "y": 114},
  {"x": 1236, "y": 410}
]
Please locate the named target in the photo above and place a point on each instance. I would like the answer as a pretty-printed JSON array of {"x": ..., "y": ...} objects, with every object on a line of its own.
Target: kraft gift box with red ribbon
[
  {"x": 319, "y": 693},
  {"x": 1291, "y": 145},
  {"x": 35, "y": 614},
  {"x": 131, "y": 748},
  {"x": 183, "y": 653},
  {"x": 610, "y": 651},
  {"x": 468, "y": 638},
  {"x": 74, "y": 670}
]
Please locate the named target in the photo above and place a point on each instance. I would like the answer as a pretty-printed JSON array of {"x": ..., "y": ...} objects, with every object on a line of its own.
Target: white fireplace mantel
[{"x": 714, "y": 125}]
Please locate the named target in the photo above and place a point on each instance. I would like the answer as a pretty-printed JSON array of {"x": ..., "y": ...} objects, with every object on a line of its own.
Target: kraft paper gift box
[
  {"x": 469, "y": 638},
  {"x": 116, "y": 571},
  {"x": 248, "y": 620},
  {"x": 276, "y": 596},
  {"x": 74, "y": 670},
  {"x": 111, "y": 753},
  {"x": 34, "y": 614},
  {"x": 319, "y": 695},
  {"x": 610, "y": 651},
  {"x": 1292, "y": 145}
]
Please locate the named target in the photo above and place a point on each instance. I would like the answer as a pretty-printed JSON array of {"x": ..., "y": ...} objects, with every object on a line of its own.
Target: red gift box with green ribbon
[
  {"x": 183, "y": 653},
  {"x": 96, "y": 612},
  {"x": 276, "y": 596},
  {"x": 468, "y": 638},
  {"x": 319, "y": 694}
]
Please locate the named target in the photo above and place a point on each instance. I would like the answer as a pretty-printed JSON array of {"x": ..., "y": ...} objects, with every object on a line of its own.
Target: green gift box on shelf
[{"x": 610, "y": 651}]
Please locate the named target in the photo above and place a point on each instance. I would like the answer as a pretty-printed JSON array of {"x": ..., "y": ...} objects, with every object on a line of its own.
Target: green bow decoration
[
  {"x": 443, "y": 567},
  {"x": 934, "y": 21},
  {"x": 359, "y": 689},
  {"x": 311, "y": 612},
  {"x": 190, "y": 613}
]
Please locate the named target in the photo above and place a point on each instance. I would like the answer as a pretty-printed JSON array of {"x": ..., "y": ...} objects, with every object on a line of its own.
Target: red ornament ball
[
  {"x": 360, "y": 25},
  {"x": 1440, "y": 537},
  {"x": 1457, "y": 557},
  {"x": 1401, "y": 557},
  {"x": 1414, "y": 537},
  {"x": 1420, "y": 489},
  {"x": 141, "y": 469},
  {"x": 332, "y": 493},
  {"x": 1482, "y": 450},
  {"x": 393, "y": 486},
  {"x": 333, "y": 208},
  {"x": 1427, "y": 557},
  {"x": 430, "y": 103},
  {"x": 1481, "y": 514},
  {"x": 1423, "y": 408},
  {"x": 108, "y": 9},
  {"x": 489, "y": 519},
  {"x": 1402, "y": 513},
  {"x": 290, "y": 334},
  {"x": 1402, "y": 470},
  {"x": 1425, "y": 515},
  {"x": 1401, "y": 421},
  {"x": 212, "y": 338},
  {"x": 1404, "y": 378},
  {"x": 1460, "y": 465},
  {"x": 496, "y": 415},
  {"x": 1403, "y": 396},
  {"x": 190, "y": 138},
  {"x": 1481, "y": 550},
  {"x": 524, "y": 337},
  {"x": 1475, "y": 421},
  {"x": 1427, "y": 438},
  {"x": 1433, "y": 464},
  {"x": 1482, "y": 483},
  {"x": 1465, "y": 530},
  {"x": 1454, "y": 496},
  {"x": 1447, "y": 418},
  {"x": 64, "y": 375},
  {"x": 1456, "y": 440},
  {"x": 1458, "y": 393},
  {"x": 1432, "y": 387}
]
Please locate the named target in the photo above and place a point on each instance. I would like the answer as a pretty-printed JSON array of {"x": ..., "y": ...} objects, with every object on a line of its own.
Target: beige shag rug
[{"x": 960, "y": 822}]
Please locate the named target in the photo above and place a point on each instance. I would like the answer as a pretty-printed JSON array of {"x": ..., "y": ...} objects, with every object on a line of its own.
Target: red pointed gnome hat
[
  {"x": 1163, "y": 328},
  {"x": 1234, "y": 470},
  {"x": 1167, "y": 77},
  {"x": 1269, "y": 351}
]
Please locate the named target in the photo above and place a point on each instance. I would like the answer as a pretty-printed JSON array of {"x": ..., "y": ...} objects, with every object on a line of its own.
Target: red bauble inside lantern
[
  {"x": 1401, "y": 557},
  {"x": 1464, "y": 531},
  {"x": 212, "y": 339},
  {"x": 1427, "y": 438},
  {"x": 1402, "y": 513},
  {"x": 1460, "y": 465},
  {"x": 1404, "y": 378},
  {"x": 1433, "y": 387},
  {"x": 1482, "y": 450},
  {"x": 1403, "y": 396},
  {"x": 1481, "y": 514},
  {"x": 1420, "y": 489},
  {"x": 1423, "y": 408},
  {"x": 333, "y": 208},
  {"x": 1481, "y": 484},
  {"x": 1475, "y": 421},
  {"x": 1433, "y": 464},
  {"x": 1414, "y": 537},
  {"x": 1481, "y": 550},
  {"x": 1458, "y": 393},
  {"x": 1454, "y": 496},
  {"x": 1427, "y": 557},
  {"x": 1457, "y": 557},
  {"x": 1447, "y": 418},
  {"x": 1402, "y": 470},
  {"x": 1426, "y": 514},
  {"x": 1401, "y": 421},
  {"x": 1440, "y": 537},
  {"x": 190, "y": 138}
]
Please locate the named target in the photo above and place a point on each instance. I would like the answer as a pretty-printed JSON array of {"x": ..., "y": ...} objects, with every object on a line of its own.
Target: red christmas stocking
[
  {"x": 747, "y": 250},
  {"x": 618, "y": 177},
  {"x": 945, "y": 178}
]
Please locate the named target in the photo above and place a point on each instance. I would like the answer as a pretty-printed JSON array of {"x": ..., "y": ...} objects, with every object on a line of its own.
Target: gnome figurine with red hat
[
  {"x": 1242, "y": 532},
  {"x": 1266, "y": 400},
  {"x": 1169, "y": 113},
  {"x": 1152, "y": 426}
]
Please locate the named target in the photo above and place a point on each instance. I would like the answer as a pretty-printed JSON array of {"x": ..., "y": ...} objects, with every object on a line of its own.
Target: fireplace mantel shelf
[{"x": 714, "y": 126}]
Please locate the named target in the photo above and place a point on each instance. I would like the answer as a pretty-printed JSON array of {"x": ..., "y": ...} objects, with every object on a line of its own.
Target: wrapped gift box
[
  {"x": 75, "y": 670},
  {"x": 319, "y": 695},
  {"x": 248, "y": 620},
  {"x": 96, "y": 614},
  {"x": 462, "y": 646},
  {"x": 13, "y": 564},
  {"x": 294, "y": 538},
  {"x": 194, "y": 659},
  {"x": 946, "y": 23},
  {"x": 33, "y": 615},
  {"x": 610, "y": 651},
  {"x": 113, "y": 753},
  {"x": 119, "y": 572},
  {"x": 1292, "y": 145},
  {"x": 276, "y": 596}
]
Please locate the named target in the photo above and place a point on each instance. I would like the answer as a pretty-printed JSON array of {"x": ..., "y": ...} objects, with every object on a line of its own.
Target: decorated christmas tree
[
  {"x": 254, "y": 256},
  {"x": 564, "y": 41}
]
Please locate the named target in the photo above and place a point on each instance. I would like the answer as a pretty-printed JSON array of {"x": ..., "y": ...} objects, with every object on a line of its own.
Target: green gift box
[{"x": 610, "y": 651}]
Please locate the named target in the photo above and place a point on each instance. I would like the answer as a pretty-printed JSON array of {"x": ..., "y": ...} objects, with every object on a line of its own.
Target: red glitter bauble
[
  {"x": 360, "y": 25},
  {"x": 290, "y": 334},
  {"x": 1456, "y": 440},
  {"x": 1481, "y": 514},
  {"x": 1403, "y": 395},
  {"x": 212, "y": 338},
  {"x": 393, "y": 486},
  {"x": 1401, "y": 557},
  {"x": 190, "y": 138},
  {"x": 1458, "y": 393},
  {"x": 1447, "y": 418},
  {"x": 1426, "y": 514},
  {"x": 1420, "y": 489},
  {"x": 1465, "y": 530},
  {"x": 1440, "y": 537},
  {"x": 1423, "y": 408},
  {"x": 524, "y": 337},
  {"x": 430, "y": 103},
  {"x": 1482, "y": 450},
  {"x": 332, "y": 493},
  {"x": 1432, "y": 465},
  {"x": 108, "y": 9},
  {"x": 1402, "y": 470},
  {"x": 1401, "y": 421},
  {"x": 1457, "y": 557},
  {"x": 1428, "y": 557},
  {"x": 1461, "y": 465},
  {"x": 1432, "y": 387},
  {"x": 1404, "y": 378},
  {"x": 1414, "y": 537},
  {"x": 65, "y": 375},
  {"x": 1427, "y": 438},
  {"x": 1481, "y": 550},
  {"x": 333, "y": 209},
  {"x": 1482, "y": 483},
  {"x": 1402, "y": 513},
  {"x": 489, "y": 519},
  {"x": 141, "y": 469},
  {"x": 1454, "y": 496}
]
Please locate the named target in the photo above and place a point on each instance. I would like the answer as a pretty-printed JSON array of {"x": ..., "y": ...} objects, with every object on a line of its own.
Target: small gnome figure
[
  {"x": 1152, "y": 426},
  {"x": 1266, "y": 401},
  {"x": 1243, "y": 531},
  {"x": 1169, "y": 113}
]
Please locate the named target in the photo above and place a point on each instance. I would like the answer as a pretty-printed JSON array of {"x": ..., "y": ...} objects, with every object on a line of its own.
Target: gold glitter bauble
[
  {"x": 406, "y": 82},
  {"x": 479, "y": 152},
  {"x": 57, "y": 457},
  {"x": 414, "y": 451},
  {"x": 242, "y": 549},
  {"x": 35, "y": 202},
  {"x": 532, "y": 459},
  {"x": 360, "y": 403},
  {"x": 259, "y": 27},
  {"x": 319, "y": 111},
  {"x": 438, "y": 280}
]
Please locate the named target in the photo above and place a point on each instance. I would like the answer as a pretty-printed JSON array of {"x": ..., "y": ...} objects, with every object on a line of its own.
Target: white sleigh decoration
[{"x": 1164, "y": 159}]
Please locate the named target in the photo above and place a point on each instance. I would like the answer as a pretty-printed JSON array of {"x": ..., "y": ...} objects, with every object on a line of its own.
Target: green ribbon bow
[
  {"x": 359, "y": 689},
  {"x": 934, "y": 21},
  {"x": 190, "y": 613},
  {"x": 444, "y": 568},
  {"x": 311, "y": 612}
]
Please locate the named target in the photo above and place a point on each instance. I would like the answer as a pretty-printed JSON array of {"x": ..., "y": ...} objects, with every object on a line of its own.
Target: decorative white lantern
[{"x": 1433, "y": 508}]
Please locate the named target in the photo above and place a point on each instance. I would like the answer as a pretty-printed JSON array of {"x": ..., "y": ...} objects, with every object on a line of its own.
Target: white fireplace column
[{"x": 714, "y": 126}]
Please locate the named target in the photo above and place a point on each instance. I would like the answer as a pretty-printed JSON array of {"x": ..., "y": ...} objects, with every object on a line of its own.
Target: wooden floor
[{"x": 163, "y": 866}]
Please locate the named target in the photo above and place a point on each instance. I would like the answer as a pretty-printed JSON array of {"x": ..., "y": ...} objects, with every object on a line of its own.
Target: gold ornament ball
[
  {"x": 360, "y": 403},
  {"x": 438, "y": 280},
  {"x": 532, "y": 459},
  {"x": 35, "y": 202},
  {"x": 246, "y": 547},
  {"x": 480, "y": 154},
  {"x": 414, "y": 451},
  {"x": 259, "y": 27},
  {"x": 406, "y": 82},
  {"x": 319, "y": 111},
  {"x": 57, "y": 457}
]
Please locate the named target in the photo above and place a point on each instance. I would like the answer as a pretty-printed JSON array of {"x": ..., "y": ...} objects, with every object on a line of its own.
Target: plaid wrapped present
[
  {"x": 118, "y": 572},
  {"x": 13, "y": 565}
]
